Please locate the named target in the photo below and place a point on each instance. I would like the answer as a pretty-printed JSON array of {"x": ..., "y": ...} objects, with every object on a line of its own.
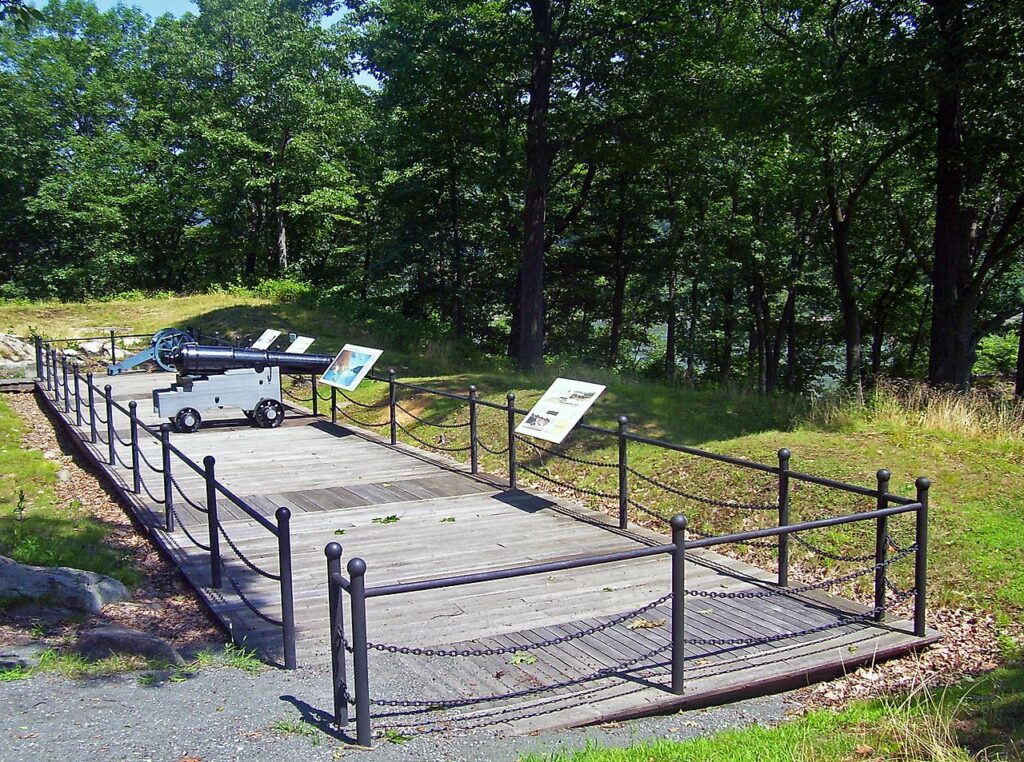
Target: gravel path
[{"x": 225, "y": 714}]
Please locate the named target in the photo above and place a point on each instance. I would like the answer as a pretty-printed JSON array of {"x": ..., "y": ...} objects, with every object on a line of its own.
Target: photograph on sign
[
  {"x": 267, "y": 338},
  {"x": 556, "y": 413},
  {"x": 350, "y": 367},
  {"x": 299, "y": 345}
]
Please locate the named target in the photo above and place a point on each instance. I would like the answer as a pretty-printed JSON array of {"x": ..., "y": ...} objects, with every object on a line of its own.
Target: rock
[
  {"x": 21, "y": 657},
  {"x": 69, "y": 352},
  {"x": 15, "y": 349},
  {"x": 51, "y": 455},
  {"x": 95, "y": 347},
  {"x": 68, "y": 588},
  {"x": 63, "y": 475},
  {"x": 101, "y": 642}
]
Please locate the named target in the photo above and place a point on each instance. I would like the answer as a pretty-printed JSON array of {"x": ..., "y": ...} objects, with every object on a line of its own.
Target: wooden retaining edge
[
  {"x": 17, "y": 386},
  {"x": 770, "y": 685}
]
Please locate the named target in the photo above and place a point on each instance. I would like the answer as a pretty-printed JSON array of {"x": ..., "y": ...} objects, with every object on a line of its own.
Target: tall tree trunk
[
  {"x": 458, "y": 298},
  {"x": 839, "y": 224},
  {"x": 281, "y": 241},
  {"x": 950, "y": 354},
  {"x": 619, "y": 292},
  {"x": 728, "y": 328},
  {"x": 691, "y": 338},
  {"x": 1019, "y": 378},
  {"x": 671, "y": 317},
  {"x": 538, "y": 170}
]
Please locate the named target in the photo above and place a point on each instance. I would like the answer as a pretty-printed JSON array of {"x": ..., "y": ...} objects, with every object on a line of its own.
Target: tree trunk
[
  {"x": 1019, "y": 386},
  {"x": 728, "y": 327},
  {"x": 538, "y": 170},
  {"x": 950, "y": 356},
  {"x": 691, "y": 338},
  {"x": 671, "y": 316},
  {"x": 619, "y": 293},
  {"x": 281, "y": 242},
  {"x": 458, "y": 299}
]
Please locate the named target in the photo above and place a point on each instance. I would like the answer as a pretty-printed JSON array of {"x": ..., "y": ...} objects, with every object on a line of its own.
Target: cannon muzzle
[{"x": 193, "y": 360}]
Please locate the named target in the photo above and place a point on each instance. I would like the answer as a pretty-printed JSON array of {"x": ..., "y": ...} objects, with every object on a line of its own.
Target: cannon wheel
[
  {"x": 188, "y": 420},
  {"x": 268, "y": 413},
  {"x": 165, "y": 341}
]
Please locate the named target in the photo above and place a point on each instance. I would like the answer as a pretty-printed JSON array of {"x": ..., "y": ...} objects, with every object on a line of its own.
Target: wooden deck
[{"x": 339, "y": 483}]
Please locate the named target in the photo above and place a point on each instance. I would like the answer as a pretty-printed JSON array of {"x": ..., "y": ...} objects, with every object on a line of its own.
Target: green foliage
[
  {"x": 997, "y": 354},
  {"x": 34, "y": 527}
]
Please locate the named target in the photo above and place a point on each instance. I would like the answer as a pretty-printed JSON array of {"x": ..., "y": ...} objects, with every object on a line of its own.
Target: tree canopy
[{"x": 776, "y": 193}]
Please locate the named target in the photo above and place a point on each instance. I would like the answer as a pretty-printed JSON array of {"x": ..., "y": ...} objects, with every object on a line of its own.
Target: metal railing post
[
  {"x": 784, "y": 456},
  {"x": 113, "y": 348},
  {"x": 333, "y": 552},
  {"x": 623, "y": 472},
  {"x": 209, "y": 463},
  {"x": 108, "y": 401},
  {"x": 91, "y": 396},
  {"x": 360, "y": 665},
  {"x": 51, "y": 371},
  {"x": 78, "y": 396},
  {"x": 284, "y": 557},
  {"x": 316, "y": 395},
  {"x": 198, "y": 335},
  {"x": 39, "y": 357},
  {"x": 474, "y": 453},
  {"x": 678, "y": 601},
  {"x": 133, "y": 422},
  {"x": 47, "y": 376},
  {"x": 165, "y": 464},
  {"x": 334, "y": 404},
  {"x": 64, "y": 383},
  {"x": 921, "y": 558},
  {"x": 56, "y": 379},
  {"x": 513, "y": 480},
  {"x": 391, "y": 404},
  {"x": 881, "y": 543}
]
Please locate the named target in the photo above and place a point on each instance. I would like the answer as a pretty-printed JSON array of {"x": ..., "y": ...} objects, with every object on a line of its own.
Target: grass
[
  {"x": 35, "y": 528},
  {"x": 984, "y": 720},
  {"x": 296, "y": 727}
]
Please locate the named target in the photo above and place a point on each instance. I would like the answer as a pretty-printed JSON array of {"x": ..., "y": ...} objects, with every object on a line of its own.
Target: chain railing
[
  {"x": 79, "y": 401},
  {"x": 359, "y": 645}
]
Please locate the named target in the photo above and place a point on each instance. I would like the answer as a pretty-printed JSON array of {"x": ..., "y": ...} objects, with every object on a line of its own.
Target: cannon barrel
[{"x": 193, "y": 359}]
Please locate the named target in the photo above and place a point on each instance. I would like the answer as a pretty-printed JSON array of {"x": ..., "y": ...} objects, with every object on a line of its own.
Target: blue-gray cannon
[
  {"x": 162, "y": 346},
  {"x": 219, "y": 377}
]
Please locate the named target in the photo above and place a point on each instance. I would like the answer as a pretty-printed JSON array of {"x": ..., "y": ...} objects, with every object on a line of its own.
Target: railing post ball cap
[
  {"x": 356, "y": 567},
  {"x": 923, "y": 483},
  {"x": 333, "y": 551},
  {"x": 623, "y": 420},
  {"x": 165, "y": 427},
  {"x": 132, "y": 406},
  {"x": 883, "y": 474},
  {"x": 209, "y": 461},
  {"x": 472, "y": 388},
  {"x": 678, "y": 522},
  {"x": 282, "y": 514},
  {"x": 785, "y": 454},
  {"x": 511, "y": 397},
  {"x": 107, "y": 388}
]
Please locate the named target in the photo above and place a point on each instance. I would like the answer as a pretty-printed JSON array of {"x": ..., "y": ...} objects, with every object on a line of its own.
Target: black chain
[
  {"x": 357, "y": 422},
  {"x": 357, "y": 403},
  {"x": 248, "y": 604},
  {"x": 428, "y": 444},
  {"x": 827, "y": 554},
  {"x": 566, "y": 485},
  {"x": 565, "y": 456},
  {"x": 118, "y": 438},
  {"x": 154, "y": 498},
  {"x": 150, "y": 465},
  {"x": 698, "y": 498},
  {"x": 442, "y": 704},
  {"x": 121, "y": 460},
  {"x": 822, "y": 585},
  {"x": 243, "y": 559},
  {"x": 425, "y": 422},
  {"x": 192, "y": 503},
  {"x": 188, "y": 534},
  {"x": 502, "y": 451},
  {"x": 297, "y": 398},
  {"x": 840, "y": 622},
  {"x": 463, "y": 652},
  {"x": 899, "y": 593}
]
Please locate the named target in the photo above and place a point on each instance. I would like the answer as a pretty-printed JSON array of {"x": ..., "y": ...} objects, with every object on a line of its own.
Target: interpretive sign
[
  {"x": 560, "y": 408},
  {"x": 300, "y": 345},
  {"x": 350, "y": 366},
  {"x": 267, "y": 338}
]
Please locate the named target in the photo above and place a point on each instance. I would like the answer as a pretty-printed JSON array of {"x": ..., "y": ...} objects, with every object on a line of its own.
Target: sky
[{"x": 155, "y": 7}]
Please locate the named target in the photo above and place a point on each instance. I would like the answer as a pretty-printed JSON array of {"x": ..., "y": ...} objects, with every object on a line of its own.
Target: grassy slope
[{"x": 35, "y": 528}]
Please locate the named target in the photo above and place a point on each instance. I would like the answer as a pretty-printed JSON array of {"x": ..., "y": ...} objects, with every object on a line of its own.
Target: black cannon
[{"x": 219, "y": 377}]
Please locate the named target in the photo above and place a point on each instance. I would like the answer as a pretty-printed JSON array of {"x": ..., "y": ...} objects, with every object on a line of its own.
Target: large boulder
[
  {"x": 68, "y": 588},
  {"x": 101, "y": 642},
  {"x": 14, "y": 349}
]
